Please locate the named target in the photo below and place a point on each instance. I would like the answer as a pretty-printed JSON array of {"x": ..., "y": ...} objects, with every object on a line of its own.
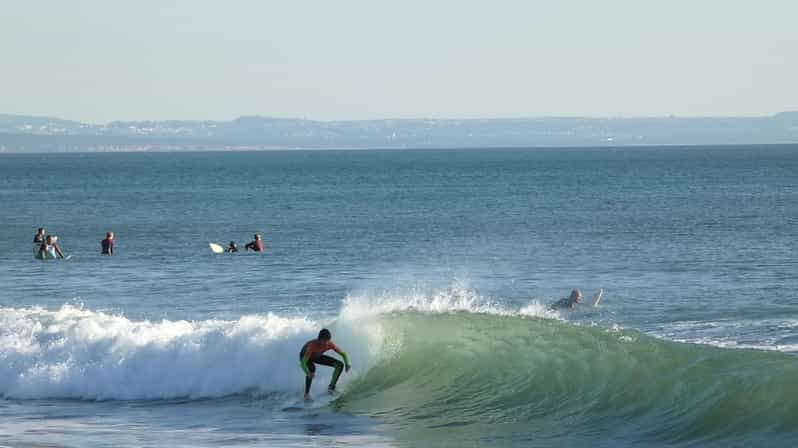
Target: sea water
[{"x": 432, "y": 268}]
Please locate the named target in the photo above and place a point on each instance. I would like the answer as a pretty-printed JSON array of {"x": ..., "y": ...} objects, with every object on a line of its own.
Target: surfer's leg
[
  {"x": 332, "y": 362},
  {"x": 308, "y": 379}
]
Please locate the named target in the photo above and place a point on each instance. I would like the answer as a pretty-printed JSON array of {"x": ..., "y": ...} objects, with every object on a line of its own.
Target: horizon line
[{"x": 419, "y": 118}]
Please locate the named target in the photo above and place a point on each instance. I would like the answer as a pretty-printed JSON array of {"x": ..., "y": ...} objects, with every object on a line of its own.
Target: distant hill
[{"x": 36, "y": 134}]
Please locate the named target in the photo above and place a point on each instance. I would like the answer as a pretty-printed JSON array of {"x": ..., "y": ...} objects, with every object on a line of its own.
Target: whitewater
[{"x": 75, "y": 353}]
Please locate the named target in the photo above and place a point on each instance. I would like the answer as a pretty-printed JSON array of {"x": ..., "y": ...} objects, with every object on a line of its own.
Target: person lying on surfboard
[
  {"x": 256, "y": 244},
  {"x": 232, "y": 248},
  {"x": 569, "y": 302},
  {"x": 312, "y": 353}
]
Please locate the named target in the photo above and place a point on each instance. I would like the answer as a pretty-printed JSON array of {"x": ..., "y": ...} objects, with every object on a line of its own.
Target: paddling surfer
[{"x": 568, "y": 302}]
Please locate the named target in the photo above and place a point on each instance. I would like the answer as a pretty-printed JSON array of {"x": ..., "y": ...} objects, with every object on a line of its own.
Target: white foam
[
  {"x": 77, "y": 353},
  {"x": 454, "y": 299},
  {"x": 760, "y": 334}
]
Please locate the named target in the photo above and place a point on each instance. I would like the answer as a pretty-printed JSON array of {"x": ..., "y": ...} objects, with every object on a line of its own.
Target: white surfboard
[
  {"x": 48, "y": 256},
  {"x": 216, "y": 248},
  {"x": 597, "y": 297}
]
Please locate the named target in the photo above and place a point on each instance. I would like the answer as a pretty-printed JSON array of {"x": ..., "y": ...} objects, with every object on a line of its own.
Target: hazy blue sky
[{"x": 336, "y": 59}]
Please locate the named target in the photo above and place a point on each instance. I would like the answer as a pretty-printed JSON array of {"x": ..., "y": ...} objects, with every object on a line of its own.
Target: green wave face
[{"x": 465, "y": 379}]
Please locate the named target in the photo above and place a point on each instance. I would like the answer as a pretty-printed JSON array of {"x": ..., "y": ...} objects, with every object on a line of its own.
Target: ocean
[{"x": 433, "y": 269}]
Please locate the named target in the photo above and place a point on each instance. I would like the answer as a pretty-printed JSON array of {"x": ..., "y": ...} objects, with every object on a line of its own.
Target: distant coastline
[{"x": 32, "y": 134}]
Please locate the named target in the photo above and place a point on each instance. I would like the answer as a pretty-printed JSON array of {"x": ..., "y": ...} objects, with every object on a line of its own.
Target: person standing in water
[
  {"x": 40, "y": 236},
  {"x": 49, "y": 249},
  {"x": 256, "y": 244},
  {"x": 108, "y": 244},
  {"x": 312, "y": 353},
  {"x": 38, "y": 240},
  {"x": 569, "y": 302}
]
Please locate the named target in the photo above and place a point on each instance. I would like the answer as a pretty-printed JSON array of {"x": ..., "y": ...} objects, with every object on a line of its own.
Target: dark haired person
[
  {"x": 569, "y": 302},
  {"x": 256, "y": 244},
  {"x": 40, "y": 236},
  {"x": 108, "y": 244},
  {"x": 312, "y": 353},
  {"x": 38, "y": 240},
  {"x": 49, "y": 249}
]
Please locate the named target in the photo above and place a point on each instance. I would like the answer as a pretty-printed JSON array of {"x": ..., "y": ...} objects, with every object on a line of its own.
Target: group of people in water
[
  {"x": 255, "y": 245},
  {"x": 46, "y": 246}
]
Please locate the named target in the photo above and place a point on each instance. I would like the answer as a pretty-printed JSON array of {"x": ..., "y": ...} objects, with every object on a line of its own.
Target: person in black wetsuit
[
  {"x": 40, "y": 236},
  {"x": 312, "y": 353},
  {"x": 108, "y": 244},
  {"x": 569, "y": 302},
  {"x": 256, "y": 244}
]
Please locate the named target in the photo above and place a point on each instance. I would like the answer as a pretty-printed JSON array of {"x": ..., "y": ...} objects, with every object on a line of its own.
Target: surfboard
[
  {"x": 216, "y": 248},
  {"x": 301, "y": 404},
  {"x": 48, "y": 256},
  {"x": 597, "y": 297}
]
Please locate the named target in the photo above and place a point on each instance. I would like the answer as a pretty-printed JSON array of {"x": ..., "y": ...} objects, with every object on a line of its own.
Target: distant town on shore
[{"x": 19, "y": 133}]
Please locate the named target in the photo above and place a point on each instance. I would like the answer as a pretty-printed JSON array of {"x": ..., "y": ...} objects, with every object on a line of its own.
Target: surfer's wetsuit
[
  {"x": 312, "y": 353},
  {"x": 107, "y": 246},
  {"x": 563, "y": 303},
  {"x": 256, "y": 245}
]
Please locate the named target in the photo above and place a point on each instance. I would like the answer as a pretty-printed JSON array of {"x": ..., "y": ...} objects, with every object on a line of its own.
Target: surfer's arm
[
  {"x": 58, "y": 251},
  {"x": 343, "y": 355}
]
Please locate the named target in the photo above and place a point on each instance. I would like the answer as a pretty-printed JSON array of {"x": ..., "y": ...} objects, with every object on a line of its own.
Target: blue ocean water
[{"x": 433, "y": 269}]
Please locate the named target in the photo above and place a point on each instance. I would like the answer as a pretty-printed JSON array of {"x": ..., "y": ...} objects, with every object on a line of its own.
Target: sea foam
[{"x": 78, "y": 353}]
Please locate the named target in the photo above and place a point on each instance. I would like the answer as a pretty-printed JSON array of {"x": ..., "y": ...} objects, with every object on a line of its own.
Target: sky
[{"x": 98, "y": 60}]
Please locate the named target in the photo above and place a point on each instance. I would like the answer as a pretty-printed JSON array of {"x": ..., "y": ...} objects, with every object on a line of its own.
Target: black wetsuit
[{"x": 323, "y": 360}]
